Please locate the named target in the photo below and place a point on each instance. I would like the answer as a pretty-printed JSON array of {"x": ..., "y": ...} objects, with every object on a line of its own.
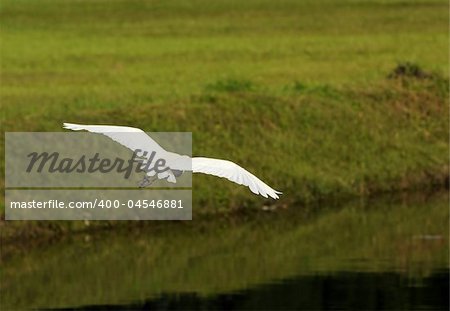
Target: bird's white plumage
[
  {"x": 121, "y": 134},
  {"x": 234, "y": 173},
  {"x": 134, "y": 139},
  {"x": 217, "y": 167}
]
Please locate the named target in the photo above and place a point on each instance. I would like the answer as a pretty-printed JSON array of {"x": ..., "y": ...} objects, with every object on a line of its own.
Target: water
[
  {"x": 383, "y": 254},
  {"x": 343, "y": 290}
]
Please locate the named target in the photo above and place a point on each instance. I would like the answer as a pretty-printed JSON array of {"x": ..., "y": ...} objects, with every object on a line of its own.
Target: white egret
[{"x": 139, "y": 140}]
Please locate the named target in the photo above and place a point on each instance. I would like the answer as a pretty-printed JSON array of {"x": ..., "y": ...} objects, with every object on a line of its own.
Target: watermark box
[{"x": 153, "y": 170}]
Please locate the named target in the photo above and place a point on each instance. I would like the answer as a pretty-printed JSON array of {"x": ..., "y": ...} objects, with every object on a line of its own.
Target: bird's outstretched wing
[
  {"x": 234, "y": 173},
  {"x": 221, "y": 168},
  {"x": 134, "y": 139},
  {"x": 130, "y": 137}
]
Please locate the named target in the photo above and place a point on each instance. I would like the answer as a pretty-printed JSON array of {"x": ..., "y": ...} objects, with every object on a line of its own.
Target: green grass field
[{"x": 295, "y": 91}]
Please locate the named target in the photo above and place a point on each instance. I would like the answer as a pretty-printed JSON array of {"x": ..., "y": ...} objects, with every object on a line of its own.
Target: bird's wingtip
[{"x": 275, "y": 195}]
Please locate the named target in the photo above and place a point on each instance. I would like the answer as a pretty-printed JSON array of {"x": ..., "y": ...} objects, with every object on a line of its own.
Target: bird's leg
[
  {"x": 147, "y": 181},
  {"x": 177, "y": 173}
]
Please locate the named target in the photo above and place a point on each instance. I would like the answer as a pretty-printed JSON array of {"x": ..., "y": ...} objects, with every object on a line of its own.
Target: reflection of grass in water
[{"x": 216, "y": 257}]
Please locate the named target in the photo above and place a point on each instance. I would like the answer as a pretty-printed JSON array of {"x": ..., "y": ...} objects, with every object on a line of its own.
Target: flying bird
[{"x": 177, "y": 163}]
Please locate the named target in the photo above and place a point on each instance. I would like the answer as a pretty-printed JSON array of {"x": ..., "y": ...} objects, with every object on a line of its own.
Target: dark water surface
[
  {"x": 389, "y": 254},
  {"x": 344, "y": 290}
]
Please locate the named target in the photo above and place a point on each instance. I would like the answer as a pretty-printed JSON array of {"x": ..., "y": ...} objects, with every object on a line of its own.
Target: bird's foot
[{"x": 146, "y": 182}]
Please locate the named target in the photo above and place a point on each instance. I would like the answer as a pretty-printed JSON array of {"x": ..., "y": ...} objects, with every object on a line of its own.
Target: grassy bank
[
  {"x": 297, "y": 92},
  {"x": 314, "y": 142}
]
